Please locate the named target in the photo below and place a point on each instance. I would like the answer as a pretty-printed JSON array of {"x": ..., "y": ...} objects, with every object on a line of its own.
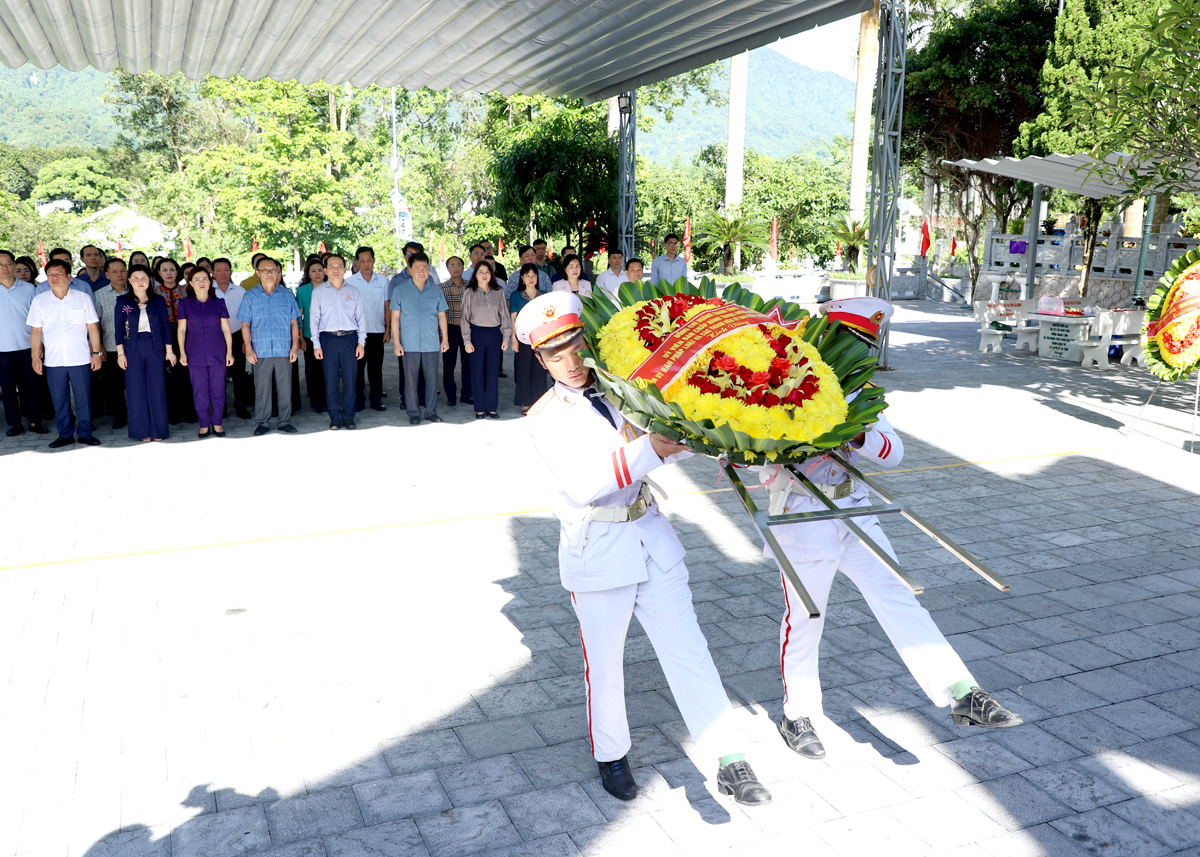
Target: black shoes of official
[
  {"x": 349, "y": 424},
  {"x": 38, "y": 429},
  {"x": 334, "y": 425},
  {"x": 59, "y": 443},
  {"x": 617, "y": 779},
  {"x": 737, "y": 779},
  {"x": 261, "y": 430},
  {"x": 414, "y": 421},
  {"x": 88, "y": 440},
  {"x": 14, "y": 431},
  {"x": 800, "y": 736},
  {"x": 288, "y": 428},
  {"x": 978, "y": 708},
  {"x": 434, "y": 418}
]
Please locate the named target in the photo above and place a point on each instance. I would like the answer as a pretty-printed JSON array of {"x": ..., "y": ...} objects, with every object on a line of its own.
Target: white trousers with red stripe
[
  {"x": 922, "y": 646},
  {"x": 663, "y": 604}
]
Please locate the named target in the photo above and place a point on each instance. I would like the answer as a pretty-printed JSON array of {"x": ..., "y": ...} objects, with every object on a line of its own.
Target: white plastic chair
[
  {"x": 988, "y": 338},
  {"x": 1127, "y": 332},
  {"x": 1095, "y": 349}
]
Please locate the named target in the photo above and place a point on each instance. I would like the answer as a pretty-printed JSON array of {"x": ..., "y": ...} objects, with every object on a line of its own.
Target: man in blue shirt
[
  {"x": 16, "y": 364},
  {"x": 670, "y": 266},
  {"x": 419, "y": 335},
  {"x": 405, "y": 277},
  {"x": 93, "y": 267},
  {"x": 375, "y": 290},
  {"x": 271, "y": 333},
  {"x": 76, "y": 283},
  {"x": 528, "y": 257}
]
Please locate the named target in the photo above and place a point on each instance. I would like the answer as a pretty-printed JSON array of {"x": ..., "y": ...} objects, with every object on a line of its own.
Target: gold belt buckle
[
  {"x": 637, "y": 509},
  {"x": 843, "y": 490}
]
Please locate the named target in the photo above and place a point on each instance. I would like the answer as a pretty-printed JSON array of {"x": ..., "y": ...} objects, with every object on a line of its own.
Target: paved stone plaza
[{"x": 352, "y": 644}]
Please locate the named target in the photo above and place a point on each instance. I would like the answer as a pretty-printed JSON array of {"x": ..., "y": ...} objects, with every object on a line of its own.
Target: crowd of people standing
[{"x": 152, "y": 343}]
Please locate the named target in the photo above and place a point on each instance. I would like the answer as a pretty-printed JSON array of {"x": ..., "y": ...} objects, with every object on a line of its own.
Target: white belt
[
  {"x": 622, "y": 514},
  {"x": 836, "y": 492}
]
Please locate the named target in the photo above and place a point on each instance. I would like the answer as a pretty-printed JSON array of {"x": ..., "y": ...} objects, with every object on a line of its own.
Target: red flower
[
  {"x": 724, "y": 363},
  {"x": 728, "y": 393},
  {"x": 770, "y": 400},
  {"x": 759, "y": 379},
  {"x": 781, "y": 365}
]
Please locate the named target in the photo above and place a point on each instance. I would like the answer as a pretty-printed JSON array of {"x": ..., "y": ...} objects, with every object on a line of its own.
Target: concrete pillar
[{"x": 735, "y": 159}]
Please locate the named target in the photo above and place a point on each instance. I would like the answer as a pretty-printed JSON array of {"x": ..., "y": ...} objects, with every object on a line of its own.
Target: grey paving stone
[
  {"x": 1132, "y": 646},
  {"x": 1057, "y": 629},
  {"x": 561, "y": 763},
  {"x": 561, "y": 724},
  {"x": 141, "y": 842},
  {"x": 1014, "y": 802},
  {"x": 1174, "y": 826},
  {"x": 757, "y": 686},
  {"x": 401, "y": 797},
  {"x": 1145, "y": 719},
  {"x": 983, "y": 757},
  {"x": 565, "y": 690},
  {"x": 307, "y": 848},
  {"x": 1079, "y": 789},
  {"x": 1184, "y": 702},
  {"x": 991, "y": 676},
  {"x": 1174, "y": 634},
  {"x": 1035, "y": 665},
  {"x": 1059, "y": 696},
  {"x": 1172, "y": 754},
  {"x": 1089, "y": 732},
  {"x": 1096, "y": 830},
  {"x": 221, "y": 834},
  {"x": 970, "y": 647},
  {"x": 424, "y": 751},
  {"x": 307, "y": 816},
  {"x": 1129, "y": 773},
  {"x": 475, "y": 782},
  {"x": 498, "y": 737},
  {"x": 467, "y": 830},
  {"x": 1110, "y": 685},
  {"x": 513, "y": 700},
  {"x": 541, "y": 665},
  {"x": 751, "y": 630},
  {"x": 552, "y": 846},
  {"x": 1083, "y": 654},
  {"x": 560, "y": 809},
  {"x": 651, "y": 746},
  {"x": 1040, "y": 841},
  {"x": 1160, "y": 674},
  {"x": 1010, "y": 638},
  {"x": 395, "y": 839}
]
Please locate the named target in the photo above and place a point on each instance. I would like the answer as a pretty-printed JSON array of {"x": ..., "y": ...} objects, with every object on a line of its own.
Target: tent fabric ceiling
[
  {"x": 554, "y": 47},
  {"x": 1066, "y": 172}
]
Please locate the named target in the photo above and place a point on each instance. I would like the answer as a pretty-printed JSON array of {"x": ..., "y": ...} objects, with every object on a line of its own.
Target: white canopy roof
[
  {"x": 554, "y": 47},
  {"x": 1066, "y": 172}
]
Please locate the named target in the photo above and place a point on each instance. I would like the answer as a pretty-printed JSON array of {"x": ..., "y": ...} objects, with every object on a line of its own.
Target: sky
[{"x": 829, "y": 48}]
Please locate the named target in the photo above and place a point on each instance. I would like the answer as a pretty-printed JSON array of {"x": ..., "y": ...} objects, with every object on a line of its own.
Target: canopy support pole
[
  {"x": 1034, "y": 232},
  {"x": 1147, "y": 225},
  {"x": 626, "y": 172},
  {"x": 886, "y": 177}
]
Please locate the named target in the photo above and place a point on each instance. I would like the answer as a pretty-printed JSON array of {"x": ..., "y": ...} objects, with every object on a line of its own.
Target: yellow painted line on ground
[{"x": 460, "y": 519}]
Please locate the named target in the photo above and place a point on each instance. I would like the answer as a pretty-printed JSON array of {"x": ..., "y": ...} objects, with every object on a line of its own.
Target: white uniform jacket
[{"x": 594, "y": 465}]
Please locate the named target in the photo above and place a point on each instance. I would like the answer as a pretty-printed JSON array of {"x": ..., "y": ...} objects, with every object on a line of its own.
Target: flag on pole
[
  {"x": 187, "y": 249},
  {"x": 501, "y": 246},
  {"x": 118, "y": 248},
  {"x": 687, "y": 241},
  {"x": 321, "y": 248},
  {"x": 925, "y": 239},
  {"x": 42, "y": 254},
  {"x": 253, "y": 245},
  {"x": 838, "y": 251},
  {"x": 775, "y": 238},
  {"x": 442, "y": 251},
  {"x": 953, "y": 246}
]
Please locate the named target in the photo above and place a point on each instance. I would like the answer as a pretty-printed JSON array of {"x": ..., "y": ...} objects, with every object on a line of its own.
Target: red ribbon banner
[
  {"x": 1179, "y": 308},
  {"x": 685, "y": 344}
]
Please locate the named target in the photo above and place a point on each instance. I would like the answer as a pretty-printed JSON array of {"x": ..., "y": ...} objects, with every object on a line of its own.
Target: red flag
[
  {"x": 501, "y": 246},
  {"x": 321, "y": 248},
  {"x": 775, "y": 238},
  {"x": 925, "y": 239},
  {"x": 187, "y": 249},
  {"x": 838, "y": 251},
  {"x": 442, "y": 252},
  {"x": 118, "y": 248},
  {"x": 953, "y": 246},
  {"x": 687, "y": 240},
  {"x": 253, "y": 245},
  {"x": 42, "y": 254}
]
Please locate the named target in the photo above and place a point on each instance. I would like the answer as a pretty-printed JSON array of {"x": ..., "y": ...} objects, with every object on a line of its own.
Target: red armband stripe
[
  {"x": 625, "y": 468},
  {"x": 886, "y": 449},
  {"x": 617, "y": 470}
]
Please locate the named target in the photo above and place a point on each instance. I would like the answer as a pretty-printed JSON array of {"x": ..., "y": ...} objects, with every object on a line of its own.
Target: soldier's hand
[{"x": 663, "y": 446}]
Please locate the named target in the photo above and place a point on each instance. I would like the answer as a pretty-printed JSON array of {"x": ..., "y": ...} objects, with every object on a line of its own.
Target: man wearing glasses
[{"x": 670, "y": 266}]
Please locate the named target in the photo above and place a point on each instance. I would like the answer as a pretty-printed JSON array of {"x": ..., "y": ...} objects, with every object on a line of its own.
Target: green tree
[
  {"x": 968, "y": 90},
  {"x": 84, "y": 181},
  {"x": 728, "y": 233},
  {"x": 1090, "y": 39},
  {"x": 852, "y": 235}
]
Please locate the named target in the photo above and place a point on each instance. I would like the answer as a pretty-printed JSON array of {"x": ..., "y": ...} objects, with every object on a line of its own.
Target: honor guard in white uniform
[
  {"x": 819, "y": 549},
  {"x": 619, "y": 556}
]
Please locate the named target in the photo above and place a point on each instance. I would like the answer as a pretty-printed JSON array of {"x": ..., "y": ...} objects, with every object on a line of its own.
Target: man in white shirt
[
  {"x": 76, "y": 283},
  {"x": 64, "y": 324},
  {"x": 474, "y": 256},
  {"x": 374, "y": 289},
  {"x": 610, "y": 279},
  {"x": 670, "y": 266},
  {"x": 243, "y": 381},
  {"x": 634, "y": 270},
  {"x": 16, "y": 365}
]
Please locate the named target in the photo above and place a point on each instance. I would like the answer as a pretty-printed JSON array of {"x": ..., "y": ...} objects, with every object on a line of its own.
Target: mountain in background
[
  {"x": 789, "y": 109},
  {"x": 55, "y": 107}
]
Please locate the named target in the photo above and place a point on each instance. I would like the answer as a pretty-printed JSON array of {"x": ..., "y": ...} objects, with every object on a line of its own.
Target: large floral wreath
[
  {"x": 773, "y": 390},
  {"x": 1171, "y": 339}
]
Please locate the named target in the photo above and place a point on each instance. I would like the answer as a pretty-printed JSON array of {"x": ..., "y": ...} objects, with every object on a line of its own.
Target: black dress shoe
[
  {"x": 414, "y": 421},
  {"x": 349, "y": 424},
  {"x": 480, "y": 416},
  {"x": 737, "y": 779},
  {"x": 799, "y": 735},
  {"x": 243, "y": 414},
  {"x": 119, "y": 424},
  {"x": 60, "y": 442},
  {"x": 334, "y": 425},
  {"x": 503, "y": 374},
  {"x": 617, "y": 779},
  {"x": 287, "y": 428},
  {"x": 467, "y": 400},
  {"x": 379, "y": 407},
  {"x": 978, "y": 708},
  {"x": 38, "y": 428},
  {"x": 434, "y": 418},
  {"x": 15, "y": 431},
  {"x": 492, "y": 415},
  {"x": 88, "y": 440},
  {"x": 261, "y": 430}
]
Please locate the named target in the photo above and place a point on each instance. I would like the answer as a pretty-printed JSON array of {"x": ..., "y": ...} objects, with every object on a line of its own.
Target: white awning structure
[
  {"x": 554, "y": 47},
  {"x": 1065, "y": 172}
]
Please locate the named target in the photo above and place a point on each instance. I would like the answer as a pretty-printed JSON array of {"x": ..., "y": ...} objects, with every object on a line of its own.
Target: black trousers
[
  {"x": 16, "y": 373},
  {"x": 337, "y": 365},
  {"x": 243, "y": 381},
  {"x": 314, "y": 375},
  {"x": 450, "y": 360},
  {"x": 113, "y": 387},
  {"x": 180, "y": 404},
  {"x": 372, "y": 367}
]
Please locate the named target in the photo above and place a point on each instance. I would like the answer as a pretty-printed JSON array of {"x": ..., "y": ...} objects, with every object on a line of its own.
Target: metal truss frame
[
  {"x": 765, "y": 522},
  {"x": 886, "y": 178},
  {"x": 626, "y": 175}
]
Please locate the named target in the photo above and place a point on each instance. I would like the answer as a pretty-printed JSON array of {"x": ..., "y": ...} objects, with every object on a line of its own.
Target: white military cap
[
  {"x": 863, "y": 316},
  {"x": 548, "y": 316}
]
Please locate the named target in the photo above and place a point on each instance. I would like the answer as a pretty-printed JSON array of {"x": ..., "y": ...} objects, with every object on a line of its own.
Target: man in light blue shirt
[
  {"x": 271, "y": 333},
  {"x": 338, "y": 324},
  {"x": 405, "y": 277},
  {"x": 670, "y": 266},
  {"x": 16, "y": 364},
  {"x": 528, "y": 257},
  {"x": 419, "y": 335},
  {"x": 376, "y": 292}
]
